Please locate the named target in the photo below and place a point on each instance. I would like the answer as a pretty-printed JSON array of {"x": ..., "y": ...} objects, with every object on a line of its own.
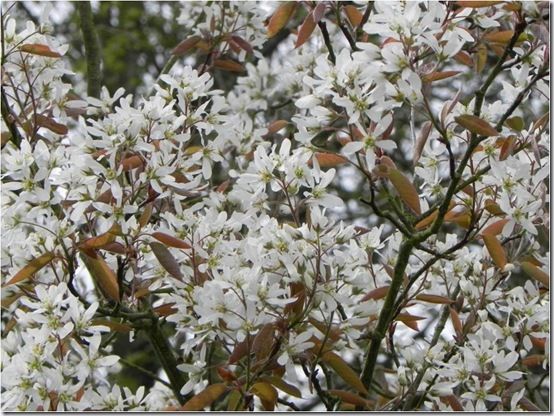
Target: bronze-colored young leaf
[
  {"x": 344, "y": 371},
  {"x": 113, "y": 325},
  {"x": 31, "y": 268},
  {"x": 378, "y": 293},
  {"x": 349, "y": 397},
  {"x": 51, "y": 124},
  {"x": 282, "y": 385},
  {"x": 243, "y": 44},
  {"x": 421, "y": 140},
  {"x": 38, "y": 49},
  {"x": 456, "y": 323},
  {"x": 477, "y": 4},
  {"x": 319, "y": 11},
  {"x": 464, "y": 58},
  {"x": 496, "y": 251},
  {"x": 476, "y": 125},
  {"x": 205, "y": 398},
  {"x": 406, "y": 190},
  {"x": 277, "y": 125},
  {"x": 263, "y": 341},
  {"x": 329, "y": 160},
  {"x": 170, "y": 241},
  {"x": 353, "y": 14},
  {"x": 186, "y": 45},
  {"x": 493, "y": 208},
  {"x": 167, "y": 260},
  {"x": 146, "y": 214},
  {"x": 229, "y": 65},
  {"x": 306, "y": 30},
  {"x": 102, "y": 274},
  {"x": 131, "y": 162},
  {"x": 536, "y": 273},
  {"x": 437, "y": 76},
  {"x": 166, "y": 309},
  {"x": 436, "y": 299},
  {"x": 495, "y": 228},
  {"x": 501, "y": 36},
  {"x": 280, "y": 18},
  {"x": 267, "y": 394},
  {"x": 480, "y": 58},
  {"x": 99, "y": 241}
]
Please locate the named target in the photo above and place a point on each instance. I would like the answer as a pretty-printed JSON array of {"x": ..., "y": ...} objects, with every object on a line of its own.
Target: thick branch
[{"x": 92, "y": 49}]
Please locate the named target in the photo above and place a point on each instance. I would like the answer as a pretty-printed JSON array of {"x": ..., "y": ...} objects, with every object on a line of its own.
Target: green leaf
[
  {"x": 515, "y": 123},
  {"x": 30, "y": 269},
  {"x": 476, "y": 125},
  {"x": 344, "y": 371}
]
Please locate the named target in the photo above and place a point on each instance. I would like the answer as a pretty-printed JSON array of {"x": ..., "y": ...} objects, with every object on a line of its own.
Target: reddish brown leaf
[
  {"x": 406, "y": 190},
  {"x": 38, "y": 49},
  {"x": 132, "y": 162},
  {"x": 267, "y": 394},
  {"x": 502, "y": 36},
  {"x": 477, "y": 4},
  {"x": 437, "y": 299},
  {"x": 167, "y": 260},
  {"x": 344, "y": 371},
  {"x": 421, "y": 140},
  {"x": 495, "y": 228},
  {"x": 50, "y": 124},
  {"x": 329, "y": 160},
  {"x": 282, "y": 385},
  {"x": 31, "y": 268},
  {"x": 280, "y": 18},
  {"x": 319, "y": 11},
  {"x": 242, "y": 43},
  {"x": 349, "y": 397},
  {"x": 437, "y": 76},
  {"x": 353, "y": 14},
  {"x": 277, "y": 125},
  {"x": 101, "y": 273},
  {"x": 205, "y": 398},
  {"x": 263, "y": 341},
  {"x": 170, "y": 241},
  {"x": 185, "y": 45},
  {"x": 456, "y": 323},
  {"x": 496, "y": 251},
  {"x": 228, "y": 65},
  {"x": 476, "y": 125},
  {"x": 166, "y": 309},
  {"x": 376, "y": 294},
  {"x": 464, "y": 58},
  {"x": 536, "y": 273},
  {"x": 306, "y": 30}
]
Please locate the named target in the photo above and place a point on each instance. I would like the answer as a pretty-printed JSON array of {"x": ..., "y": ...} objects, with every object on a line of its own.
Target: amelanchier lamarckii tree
[{"x": 213, "y": 216}]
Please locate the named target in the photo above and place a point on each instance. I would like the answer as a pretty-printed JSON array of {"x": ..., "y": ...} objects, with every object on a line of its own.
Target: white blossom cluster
[{"x": 193, "y": 202}]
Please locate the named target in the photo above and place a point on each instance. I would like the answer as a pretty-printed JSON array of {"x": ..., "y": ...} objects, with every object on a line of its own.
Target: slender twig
[{"x": 327, "y": 40}]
